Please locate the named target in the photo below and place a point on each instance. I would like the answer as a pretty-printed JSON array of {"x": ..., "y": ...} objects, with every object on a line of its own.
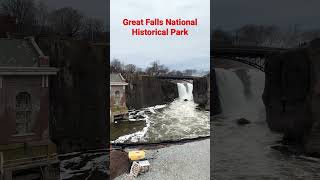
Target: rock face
[
  {"x": 145, "y": 91},
  {"x": 78, "y": 94},
  {"x": 201, "y": 92},
  {"x": 292, "y": 95},
  {"x": 243, "y": 121},
  {"x": 313, "y": 140}
]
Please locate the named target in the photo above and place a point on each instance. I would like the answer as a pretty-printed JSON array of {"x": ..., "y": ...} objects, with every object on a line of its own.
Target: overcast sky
[
  {"x": 191, "y": 51},
  {"x": 180, "y": 53},
  {"x": 230, "y": 14}
]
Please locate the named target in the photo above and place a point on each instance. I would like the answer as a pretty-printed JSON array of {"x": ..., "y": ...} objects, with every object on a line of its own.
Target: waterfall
[
  {"x": 185, "y": 91},
  {"x": 232, "y": 97},
  {"x": 190, "y": 90}
]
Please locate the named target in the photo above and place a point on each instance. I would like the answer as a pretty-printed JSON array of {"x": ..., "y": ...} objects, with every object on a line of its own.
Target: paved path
[{"x": 178, "y": 162}]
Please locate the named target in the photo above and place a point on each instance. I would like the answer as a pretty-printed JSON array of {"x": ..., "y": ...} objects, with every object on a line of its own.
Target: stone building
[
  {"x": 26, "y": 151},
  {"x": 118, "y": 107}
]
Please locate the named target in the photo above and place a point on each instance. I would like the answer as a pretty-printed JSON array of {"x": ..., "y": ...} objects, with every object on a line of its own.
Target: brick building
[
  {"x": 25, "y": 147},
  {"x": 118, "y": 108}
]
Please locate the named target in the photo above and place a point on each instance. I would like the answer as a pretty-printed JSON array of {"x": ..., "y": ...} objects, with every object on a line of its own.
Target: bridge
[
  {"x": 250, "y": 55},
  {"x": 177, "y": 77}
]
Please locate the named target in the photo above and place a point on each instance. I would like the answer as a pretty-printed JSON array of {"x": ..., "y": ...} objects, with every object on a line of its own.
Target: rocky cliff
[
  {"x": 201, "y": 91},
  {"x": 145, "y": 91},
  {"x": 291, "y": 95},
  {"x": 78, "y": 94}
]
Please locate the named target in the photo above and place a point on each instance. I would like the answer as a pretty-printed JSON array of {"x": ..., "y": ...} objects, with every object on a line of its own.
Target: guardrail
[{"x": 32, "y": 160}]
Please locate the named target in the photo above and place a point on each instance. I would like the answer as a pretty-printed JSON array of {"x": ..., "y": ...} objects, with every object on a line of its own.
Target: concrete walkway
[{"x": 186, "y": 161}]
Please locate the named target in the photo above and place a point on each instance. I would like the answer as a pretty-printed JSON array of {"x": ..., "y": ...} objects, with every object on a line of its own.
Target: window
[
  {"x": 23, "y": 113},
  {"x": 117, "y": 97}
]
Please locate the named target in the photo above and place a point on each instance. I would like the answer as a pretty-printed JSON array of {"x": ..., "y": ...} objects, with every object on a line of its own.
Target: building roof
[
  {"x": 18, "y": 53},
  {"x": 117, "y": 79},
  {"x": 22, "y": 57}
]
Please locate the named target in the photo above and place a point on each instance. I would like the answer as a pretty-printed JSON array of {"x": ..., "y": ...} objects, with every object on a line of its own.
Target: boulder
[
  {"x": 119, "y": 163},
  {"x": 243, "y": 121}
]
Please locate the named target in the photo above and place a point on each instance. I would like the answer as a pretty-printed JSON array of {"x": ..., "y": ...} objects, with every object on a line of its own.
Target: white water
[
  {"x": 244, "y": 152},
  {"x": 178, "y": 120},
  {"x": 231, "y": 92},
  {"x": 185, "y": 91},
  {"x": 233, "y": 101}
]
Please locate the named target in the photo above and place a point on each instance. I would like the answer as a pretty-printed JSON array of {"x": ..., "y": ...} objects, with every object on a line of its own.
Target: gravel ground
[{"x": 186, "y": 161}]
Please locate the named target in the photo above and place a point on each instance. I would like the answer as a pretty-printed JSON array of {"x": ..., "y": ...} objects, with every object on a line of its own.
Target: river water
[
  {"x": 177, "y": 120},
  {"x": 244, "y": 152}
]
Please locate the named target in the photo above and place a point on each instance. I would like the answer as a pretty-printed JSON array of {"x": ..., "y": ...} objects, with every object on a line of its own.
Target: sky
[
  {"x": 179, "y": 53},
  {"x": 229, "y": 14},
  {"x": 191, "y": 52}
]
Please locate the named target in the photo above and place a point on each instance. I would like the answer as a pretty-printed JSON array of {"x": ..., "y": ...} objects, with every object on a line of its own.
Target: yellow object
[{"x": 136, "y": 155}]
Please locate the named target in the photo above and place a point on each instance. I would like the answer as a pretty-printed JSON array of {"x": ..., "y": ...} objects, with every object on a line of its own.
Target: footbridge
[
  {"x": 251, "y": 55},
  {"x": 177, "y": 77}
]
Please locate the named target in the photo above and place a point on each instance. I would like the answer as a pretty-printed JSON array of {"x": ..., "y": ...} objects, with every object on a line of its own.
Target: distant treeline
[
  {"x": 34, "y": 18},
  {"x": 264, "y": 35},
  {"x": 154, "y": 69}
]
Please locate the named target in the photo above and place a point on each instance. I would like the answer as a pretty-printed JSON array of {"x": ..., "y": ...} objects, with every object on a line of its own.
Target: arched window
[
  {"x": 23, "y": 113},
  {"x": 117, "y": 97}
]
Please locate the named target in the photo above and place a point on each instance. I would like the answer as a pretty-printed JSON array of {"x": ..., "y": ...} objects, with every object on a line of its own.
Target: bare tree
[
  {"x": 130, "y": 68},
  {"x": 22, "y": 10},
  {"x": 92, "y": 29},
  {"x": 179, "y": 73},
  {"x": 116, "y": 66},
  {"x": 41, "y": 17},
  {"x": 66, "y": 21},
  {"x": 139, "y": 71},
  {"x": 257, "y": 35},
  {"x": 157, "y": 69},
  {"x": 189, "y": 72},
  {"x": 220, "y": 37}
]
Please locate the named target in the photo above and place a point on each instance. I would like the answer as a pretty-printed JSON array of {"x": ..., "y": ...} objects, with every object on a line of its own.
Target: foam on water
[{"x": 178, "y": 120}]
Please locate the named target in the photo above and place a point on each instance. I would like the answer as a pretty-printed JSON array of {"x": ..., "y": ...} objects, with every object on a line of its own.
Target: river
[
  {"x": 244, "y": 152},
  {"x": 177, "y": 120}
]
